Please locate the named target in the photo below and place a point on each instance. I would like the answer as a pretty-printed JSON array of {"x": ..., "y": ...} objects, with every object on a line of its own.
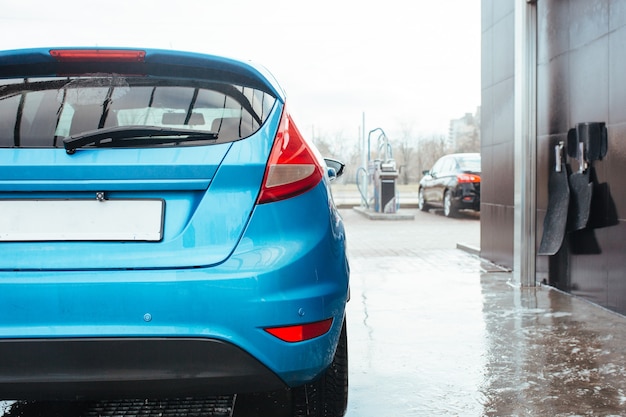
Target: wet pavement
[{"x": 435, "y": 331}]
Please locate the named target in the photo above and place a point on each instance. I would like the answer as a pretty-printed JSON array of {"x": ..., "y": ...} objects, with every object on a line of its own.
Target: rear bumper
[
  {"x": 466, "y": 197},
  {"x": 122, "y": 333},
  {"x": 468, "y": 203},
  {"x": 128, "y": 368}
]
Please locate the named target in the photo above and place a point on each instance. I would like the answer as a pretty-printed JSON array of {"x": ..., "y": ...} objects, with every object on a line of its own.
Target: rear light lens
[
  {"x": 301, "y": 332},
  {"x": 92, "y": 55},
  {"x": 466, "y": 178},
  {"x": 292, "y": 168}
]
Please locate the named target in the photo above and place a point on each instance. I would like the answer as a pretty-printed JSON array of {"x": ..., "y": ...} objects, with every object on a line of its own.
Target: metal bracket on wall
[{"x": 593, "y": 136}]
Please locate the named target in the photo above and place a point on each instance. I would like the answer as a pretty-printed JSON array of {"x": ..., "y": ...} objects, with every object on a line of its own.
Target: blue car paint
[
  {"x": 275, "y": 264},
  {"x": 215, "y": 219},
  {"x": 285, "y": 271},
  {"x": 31, "y": 170}
]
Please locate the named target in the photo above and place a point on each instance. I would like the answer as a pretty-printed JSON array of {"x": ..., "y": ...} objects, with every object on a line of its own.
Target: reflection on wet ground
[
  {"x": 434, "y": 333},
  {"x": 551, "y": 354},
  {"x": 484, "y": 348}
]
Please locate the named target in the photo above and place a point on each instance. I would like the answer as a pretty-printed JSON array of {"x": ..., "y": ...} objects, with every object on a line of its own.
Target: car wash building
[{"x": 553, "y": 147}]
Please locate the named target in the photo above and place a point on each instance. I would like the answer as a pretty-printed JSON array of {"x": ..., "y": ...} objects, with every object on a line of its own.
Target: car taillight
[
  {"x": 110, "y": 55},
  {"x": 292, "y": 167},
  {"x": 301, "y": 332},
  {"x": 465, "y": 178}
]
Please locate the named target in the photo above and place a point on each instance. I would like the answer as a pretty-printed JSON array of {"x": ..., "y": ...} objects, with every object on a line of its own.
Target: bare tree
[
  {"x": 413, "y": 153},
  {"x": 324, "y": 147},
  {"x": 343, "y": 148},
  {"x": 405, "y": 155},
  {"x": 430, "y": 149}
]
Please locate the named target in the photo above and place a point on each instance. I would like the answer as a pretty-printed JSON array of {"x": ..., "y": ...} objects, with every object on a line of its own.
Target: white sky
[{"x": 405, "y": 64}]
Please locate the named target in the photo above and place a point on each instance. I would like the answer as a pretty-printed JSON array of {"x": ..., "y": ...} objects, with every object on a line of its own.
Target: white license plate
[{"x": 76, "y": 220}]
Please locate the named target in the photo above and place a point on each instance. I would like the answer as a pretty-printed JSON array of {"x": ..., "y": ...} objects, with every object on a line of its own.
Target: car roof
[
  {"x": 464, "y": 154},
  {"x": 39, "y": 62}
]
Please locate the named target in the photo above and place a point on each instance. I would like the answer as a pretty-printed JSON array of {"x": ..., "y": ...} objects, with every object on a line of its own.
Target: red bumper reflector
[
  {"x": 116, "y": 55},
  {"x": 301, "y": 332}
]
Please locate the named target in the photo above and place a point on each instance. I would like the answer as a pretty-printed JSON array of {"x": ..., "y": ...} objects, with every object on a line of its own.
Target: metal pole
[
  {"x": 364, "y": 159},
  {"x": 525, "y": 143}
]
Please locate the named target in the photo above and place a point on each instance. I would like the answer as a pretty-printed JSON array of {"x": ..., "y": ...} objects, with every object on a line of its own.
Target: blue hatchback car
[{"x": 165, "y": 231}]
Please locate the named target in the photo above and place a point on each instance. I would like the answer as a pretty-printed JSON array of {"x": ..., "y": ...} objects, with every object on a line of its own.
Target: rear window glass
[
  {"x": 470, "y": 163},
  {"x": 42, "y": 112}
]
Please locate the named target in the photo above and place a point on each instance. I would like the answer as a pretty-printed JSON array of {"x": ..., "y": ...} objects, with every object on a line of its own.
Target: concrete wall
[{"x": 581, "y": 78}]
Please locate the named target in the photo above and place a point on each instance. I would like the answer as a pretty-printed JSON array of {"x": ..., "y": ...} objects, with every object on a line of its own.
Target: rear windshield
[
  {"x": 42, "y": 112},
  {"x": 470, "y": 163}
]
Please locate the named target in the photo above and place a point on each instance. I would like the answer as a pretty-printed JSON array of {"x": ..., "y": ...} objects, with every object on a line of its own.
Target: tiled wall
[
  {"x": 581, "y": 77},
  {"x": 497, "y": 131}
]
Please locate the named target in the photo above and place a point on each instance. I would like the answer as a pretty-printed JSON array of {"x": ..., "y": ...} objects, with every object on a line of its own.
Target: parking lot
[{"x": 435, "y": 331}]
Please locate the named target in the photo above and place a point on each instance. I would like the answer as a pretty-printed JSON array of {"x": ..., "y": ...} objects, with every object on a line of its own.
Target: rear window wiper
[{"x": 130, "y": 136}]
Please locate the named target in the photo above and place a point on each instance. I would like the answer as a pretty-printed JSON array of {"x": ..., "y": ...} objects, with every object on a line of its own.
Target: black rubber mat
[{"x": 555, "y": 222}]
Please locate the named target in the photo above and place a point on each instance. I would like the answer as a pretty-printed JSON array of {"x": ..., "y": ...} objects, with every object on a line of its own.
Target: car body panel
[
  {"x": 224, "y": 269},
  {"x": 260, "y": 285},
  {"x": 234, "y": 172}
]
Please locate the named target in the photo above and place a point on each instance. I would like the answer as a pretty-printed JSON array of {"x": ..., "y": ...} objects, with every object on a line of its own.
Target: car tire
[
  {"x": 449, "y": 209},
  {"x": 328, "y": 395},
  {"x": 421, "y": 201}
]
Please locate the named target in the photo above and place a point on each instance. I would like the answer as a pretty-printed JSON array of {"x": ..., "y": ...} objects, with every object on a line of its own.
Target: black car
[{"x": 453, "y": 184}]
